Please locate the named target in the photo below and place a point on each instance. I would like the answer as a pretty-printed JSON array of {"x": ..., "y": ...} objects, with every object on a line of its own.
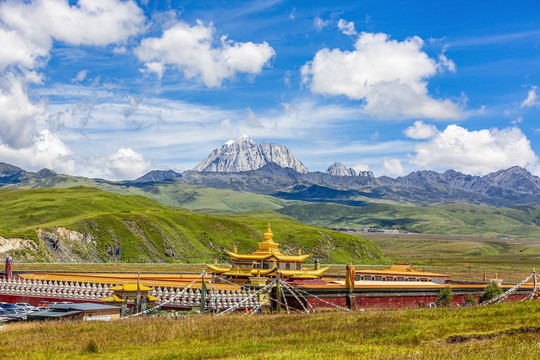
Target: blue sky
[{"x": 115, "y": 88}]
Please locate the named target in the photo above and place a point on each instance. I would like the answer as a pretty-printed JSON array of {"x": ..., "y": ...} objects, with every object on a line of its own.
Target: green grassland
[
  {"x": 169, "y": 193},
  {"x": 145, "y": 230},
  {"x": 439, "y": 250},
  {"x": 505, "y": 331},
  {"x": 455, "y": 219}
]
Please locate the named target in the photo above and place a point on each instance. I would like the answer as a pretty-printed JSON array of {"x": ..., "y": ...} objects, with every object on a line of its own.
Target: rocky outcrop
[
  {"x": 65, "y": 245},
  {"x": 245, "y": 155},
  {"x": 9, "y": 245}
]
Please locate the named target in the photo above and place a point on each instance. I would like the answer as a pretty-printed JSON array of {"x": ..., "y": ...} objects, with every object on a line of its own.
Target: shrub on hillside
[
  {"x": 445, "y": 296},
  {"x": 492, "y": 290}
]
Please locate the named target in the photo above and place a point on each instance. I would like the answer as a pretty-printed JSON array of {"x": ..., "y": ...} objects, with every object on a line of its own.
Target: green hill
[
  {"x": 87, "y": 224},
  {"x": 455, "y": 219},
  {"x": 170, "y": 193}
]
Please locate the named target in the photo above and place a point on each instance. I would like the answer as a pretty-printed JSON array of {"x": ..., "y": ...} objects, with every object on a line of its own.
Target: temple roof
[
  {"x": 305, "y": 273},
  {"x": 130, "y": 287},
  {"x": 230, "y": 271},
  {"x": 113, "y": 298},
  {"x": 267, "y": 256},
  {"x": 248, "y": 272},
  {"x": 267, "y": 250}
]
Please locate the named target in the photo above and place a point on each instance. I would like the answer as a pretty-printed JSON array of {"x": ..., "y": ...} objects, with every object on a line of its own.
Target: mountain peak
[
  {"x": 159, "y": 175},
  {"x": 338, "y": 169},
  {"x": 245, "y": 155}
]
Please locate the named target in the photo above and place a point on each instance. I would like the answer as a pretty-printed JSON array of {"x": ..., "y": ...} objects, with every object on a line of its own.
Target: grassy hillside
[
  {"x": 456, "y": 219},
  {"x": 505, "y": 331},
  {"x": 169, "y": 193},
  {"x": 145, "y": 230}
]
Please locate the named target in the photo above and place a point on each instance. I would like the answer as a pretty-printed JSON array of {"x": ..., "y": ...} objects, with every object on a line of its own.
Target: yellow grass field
[{"x": 505, "y": 331}]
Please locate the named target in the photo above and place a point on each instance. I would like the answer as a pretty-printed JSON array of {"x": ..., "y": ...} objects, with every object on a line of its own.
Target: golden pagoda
[{"x": 267, "y": 261}]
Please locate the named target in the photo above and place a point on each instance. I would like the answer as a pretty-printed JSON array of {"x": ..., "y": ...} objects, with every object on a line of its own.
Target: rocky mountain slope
[
  {"x": 338, "y": 169},
  {"x": 245, "y": 155}
]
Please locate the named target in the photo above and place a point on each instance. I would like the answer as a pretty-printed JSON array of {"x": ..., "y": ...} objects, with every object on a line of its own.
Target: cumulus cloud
[
  {"x": 191, "y": 50},
  {"x": 419, "y": 130},
  {"x": 156, "y": 68},
  {"x": 475, "y": 152},
  {"x": 531, "y": 100},
  {"x": 17, "y": 126},
  {"x": 346, "y": 27},
  {"x": 125, "y": 164},
  {"x": 393, "y": 166},
  {"x": 45, "y": 151},
  {"x": 28, "y": 28},
  {"x": 27, "y": 32},
  {"x": 388, "y": 75}
]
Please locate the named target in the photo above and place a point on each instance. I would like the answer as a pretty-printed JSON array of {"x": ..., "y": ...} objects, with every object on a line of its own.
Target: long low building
[
  {"x": 401, "y": 273},
  {"x": 82, "y": 311}
]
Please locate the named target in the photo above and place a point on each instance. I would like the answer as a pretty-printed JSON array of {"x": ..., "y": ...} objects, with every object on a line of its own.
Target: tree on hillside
[
  {"x": 492, "y": 290},
  {"x": 445, "y": 296}
]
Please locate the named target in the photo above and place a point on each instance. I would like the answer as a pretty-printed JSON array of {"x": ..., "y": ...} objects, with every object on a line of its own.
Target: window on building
[
  {"x": 412, "y": 279},
  {"x": 389, "y": 279},
  {"x": 400, "y": 279},
  {"x": 378, "y": 278}
]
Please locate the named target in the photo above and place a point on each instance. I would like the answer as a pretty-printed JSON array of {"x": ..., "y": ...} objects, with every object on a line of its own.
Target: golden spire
[{"x": 268, "y": 234}]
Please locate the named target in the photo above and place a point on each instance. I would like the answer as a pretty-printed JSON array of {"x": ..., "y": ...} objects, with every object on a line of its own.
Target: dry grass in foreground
[{"x": 506, "y": 331}]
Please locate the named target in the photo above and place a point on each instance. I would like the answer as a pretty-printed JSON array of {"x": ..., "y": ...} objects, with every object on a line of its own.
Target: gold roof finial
[{"x": 268, "y": 234}]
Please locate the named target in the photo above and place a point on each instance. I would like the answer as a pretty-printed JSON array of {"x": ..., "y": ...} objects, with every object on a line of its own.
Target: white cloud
[
  {"x": 390, "y": 76},
  {"x": 81, "y": 75},
  {"x": 17, "y": 126},
  {"x": 291, "y": 15},
  {"x": 475, "y": 152},
  {"x": 134, "y": 102},
  {"x": 449, "y": 64},
  {"x": 28, "y": 28},
  {"x": 419, "y": 130},
  {"x": 45, "y": 151},
  {"x": 27, "y": 31},
  {"x": 154, "y": 67},
  {"x": 361, "y": 167},
  {"x": 191, "y": 50},
  {"x": 319, "y": 23},
  {"x": 125, "y": 164},
  {"x": 346, "y": 27},
  {"x": 531, "y": 100},
  {"x": 393, "y": 166},
  {"x": 18, "y": 49},
  {"x": 252, "y": 121}
]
